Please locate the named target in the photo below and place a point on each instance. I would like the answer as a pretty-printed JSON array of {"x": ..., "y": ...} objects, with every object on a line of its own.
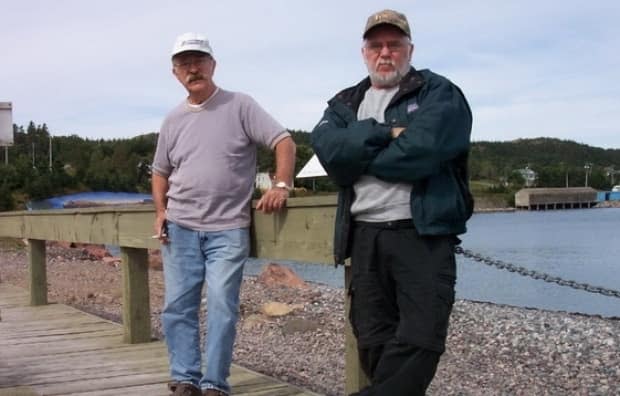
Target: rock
[
  {"x": 254, "y": 320},
  {"x": 62, "y": 244},
  {"x": 274, "y": 308},
  {"x": 112, "y": 261},
  {"x": 297, "y": 325},
  {"x": 280, "y": 275},
  {"x": 95, "y": 252},
  {"x": 155, "y": 262}
]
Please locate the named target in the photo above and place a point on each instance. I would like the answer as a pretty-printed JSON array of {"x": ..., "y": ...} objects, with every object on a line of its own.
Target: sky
[{"x": 101, "y": 69}]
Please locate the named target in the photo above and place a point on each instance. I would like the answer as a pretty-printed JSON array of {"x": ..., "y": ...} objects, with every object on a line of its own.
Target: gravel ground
[{"x": 492, "y": 349}]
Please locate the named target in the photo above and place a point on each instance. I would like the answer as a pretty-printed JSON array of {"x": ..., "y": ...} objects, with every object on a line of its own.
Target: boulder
[
  {"x": 155, "y": 262},
  {"x": 274, "y": 308},
  {"x": 112, "y": 261},
  {"x": 280, "y": 275},
  {"x": 95, "y": 252},
  {"x": 299, "y": 325}
]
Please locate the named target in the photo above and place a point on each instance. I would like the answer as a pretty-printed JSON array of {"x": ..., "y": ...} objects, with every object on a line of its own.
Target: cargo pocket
[
  {"x": 352, "y": 308},
  {"x": 443, "y": 306}
]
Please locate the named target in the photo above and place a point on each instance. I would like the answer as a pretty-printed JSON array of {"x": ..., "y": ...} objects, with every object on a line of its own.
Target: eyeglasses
[
  {"x": 186, "y": 64},
  {"x": 392, "y": 46}
]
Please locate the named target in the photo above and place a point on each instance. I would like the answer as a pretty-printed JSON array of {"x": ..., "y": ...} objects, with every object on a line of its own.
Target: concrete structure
[
  {"x": 6, "y": 124},
  {"x": 555, "y": 198}
]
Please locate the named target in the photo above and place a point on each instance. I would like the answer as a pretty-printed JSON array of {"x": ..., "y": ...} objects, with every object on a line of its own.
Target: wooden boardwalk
[{"x": 58, "y": 350}]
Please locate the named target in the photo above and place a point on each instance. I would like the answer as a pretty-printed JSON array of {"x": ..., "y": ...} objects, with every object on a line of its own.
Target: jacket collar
[{"x": 353, "y": 96}]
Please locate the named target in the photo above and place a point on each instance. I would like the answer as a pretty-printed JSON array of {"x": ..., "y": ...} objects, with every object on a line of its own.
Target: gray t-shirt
[
  {"x": 208, "y": 155},
  {"x": 377, "y": 200}
]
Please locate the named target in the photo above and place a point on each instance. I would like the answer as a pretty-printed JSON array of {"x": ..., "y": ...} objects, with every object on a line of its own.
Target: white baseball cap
[{"x": 191, "y": 42}]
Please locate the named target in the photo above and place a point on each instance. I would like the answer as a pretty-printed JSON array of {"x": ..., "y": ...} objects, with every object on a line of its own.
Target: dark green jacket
[{"x": 431, "y": 153}]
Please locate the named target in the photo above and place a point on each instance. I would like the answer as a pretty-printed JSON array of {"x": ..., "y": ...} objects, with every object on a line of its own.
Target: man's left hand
[{"x": 272, "y": 200}]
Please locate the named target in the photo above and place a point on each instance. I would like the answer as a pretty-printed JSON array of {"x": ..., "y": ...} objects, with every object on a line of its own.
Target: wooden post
[
  {"x": 38, "y": 272},
  {"x": 136, "y": 302},
  {"x": 355, "y": 378}
]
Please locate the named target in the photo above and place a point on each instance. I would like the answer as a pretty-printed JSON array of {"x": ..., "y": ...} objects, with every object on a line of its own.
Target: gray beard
[{"x": 388, "y": 80}]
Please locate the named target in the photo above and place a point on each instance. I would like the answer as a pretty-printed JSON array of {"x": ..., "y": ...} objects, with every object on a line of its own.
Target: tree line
[{"x": 40, "y": 165}]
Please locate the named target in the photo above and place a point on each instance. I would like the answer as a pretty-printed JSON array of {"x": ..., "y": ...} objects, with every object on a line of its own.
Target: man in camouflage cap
[{"x": 397, "y": 145}]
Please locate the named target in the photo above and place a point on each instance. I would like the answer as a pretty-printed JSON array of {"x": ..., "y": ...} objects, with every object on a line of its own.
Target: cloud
[{"x": 102, "y": 69}]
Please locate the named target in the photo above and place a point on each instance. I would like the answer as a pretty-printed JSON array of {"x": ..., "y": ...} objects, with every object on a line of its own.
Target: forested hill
[
  {"x": 79, "y": 164},
  {"x": 552, "y": 159}
]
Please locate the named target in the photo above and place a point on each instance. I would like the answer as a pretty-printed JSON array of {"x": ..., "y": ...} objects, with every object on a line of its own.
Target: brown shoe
[
  {"x": 214, "y": 392},
  {"x": 172, "y": 386},
  {"x": 183, "y": 389}
]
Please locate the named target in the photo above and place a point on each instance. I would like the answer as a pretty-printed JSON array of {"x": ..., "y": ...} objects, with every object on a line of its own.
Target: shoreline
[{"x": 491, "y": 348}]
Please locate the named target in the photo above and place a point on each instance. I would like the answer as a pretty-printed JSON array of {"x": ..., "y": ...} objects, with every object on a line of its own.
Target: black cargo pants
[{"x": 402, "y": 292}]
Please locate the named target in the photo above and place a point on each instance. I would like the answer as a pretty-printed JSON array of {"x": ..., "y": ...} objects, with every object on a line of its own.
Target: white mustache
[
  {"x": 385, "y": 62},
  {"x": 194, "y": 77}
]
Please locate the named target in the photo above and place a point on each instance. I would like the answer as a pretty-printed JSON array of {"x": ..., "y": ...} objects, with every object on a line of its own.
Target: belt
[{"x": 390, "y": 225}]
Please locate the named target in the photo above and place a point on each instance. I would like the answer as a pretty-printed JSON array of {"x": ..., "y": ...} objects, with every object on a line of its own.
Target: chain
[{"x": 535, "y": 274}]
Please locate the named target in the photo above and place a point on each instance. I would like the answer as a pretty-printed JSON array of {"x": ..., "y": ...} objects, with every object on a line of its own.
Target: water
[
  {"x": 100, "y": 197},
  {"x": 580, "y": 245}
]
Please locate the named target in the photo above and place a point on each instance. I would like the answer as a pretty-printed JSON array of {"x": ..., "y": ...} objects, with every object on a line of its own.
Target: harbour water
[{"x": 581, "y": 245}]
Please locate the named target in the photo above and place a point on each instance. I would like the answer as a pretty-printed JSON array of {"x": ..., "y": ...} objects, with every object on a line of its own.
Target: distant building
[
  {"x": 555, "y": 198},
  {"x": 529, "y": 176}
]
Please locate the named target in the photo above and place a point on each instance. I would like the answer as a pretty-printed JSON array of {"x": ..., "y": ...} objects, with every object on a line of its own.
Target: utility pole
[
  {"x": 587, "y": 167},
  {"x": 33, "y": 166},
  {"x": 50, "y": 153}
]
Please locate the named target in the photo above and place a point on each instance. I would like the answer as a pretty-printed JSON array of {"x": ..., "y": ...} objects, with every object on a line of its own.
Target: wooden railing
[{"x": 304, "y": 232}]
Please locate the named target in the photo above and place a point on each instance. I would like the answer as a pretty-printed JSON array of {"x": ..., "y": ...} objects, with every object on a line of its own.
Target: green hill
[{"x": 79, "y": 164}]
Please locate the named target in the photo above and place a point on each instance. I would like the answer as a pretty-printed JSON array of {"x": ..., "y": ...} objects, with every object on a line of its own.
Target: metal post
[{"x": 587, "y": 167}]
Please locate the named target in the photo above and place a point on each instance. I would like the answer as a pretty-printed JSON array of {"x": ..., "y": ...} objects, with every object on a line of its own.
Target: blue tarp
[{"x": 99, "y": 197}]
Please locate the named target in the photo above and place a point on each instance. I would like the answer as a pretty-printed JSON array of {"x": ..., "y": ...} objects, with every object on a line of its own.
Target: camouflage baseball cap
[{"x": 388, "y": 17}]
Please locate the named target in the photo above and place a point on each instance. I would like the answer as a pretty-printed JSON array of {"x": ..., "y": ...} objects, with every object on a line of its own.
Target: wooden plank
[
  {"x": 302, "y": 232},
  {"x": 88, "y": 225},
  {"x": 136, "y": 305},
  {"x": 37, "y": 272},
  {"x": 83, "y": 385},
  {"x": 135, "y": 229},
  {"x": 11, "y": 225},
  {"x": 91, "y": 359},
  {"x": 355, "y": 378},
  {"x": 132, "y": 354},
  {"x": 46, "y": 338},
  {"x": 18, "y": 391},
  {"x": 100, "y": 363},
  {"x": 155, "y": 389}
]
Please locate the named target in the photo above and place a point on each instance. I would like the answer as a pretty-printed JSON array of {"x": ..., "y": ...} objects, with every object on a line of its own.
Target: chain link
[{"x": 535, "y": 274}]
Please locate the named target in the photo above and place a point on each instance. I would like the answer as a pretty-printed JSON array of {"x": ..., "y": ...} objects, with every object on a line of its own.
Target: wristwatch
[{"x": 283, "y": 185}]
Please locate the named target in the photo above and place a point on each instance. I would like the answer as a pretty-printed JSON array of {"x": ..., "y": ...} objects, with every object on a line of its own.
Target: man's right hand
[{"x": 161, "y": 229}]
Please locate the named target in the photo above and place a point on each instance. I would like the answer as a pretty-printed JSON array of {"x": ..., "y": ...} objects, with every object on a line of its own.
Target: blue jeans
[{"x": 190, "y": 259}]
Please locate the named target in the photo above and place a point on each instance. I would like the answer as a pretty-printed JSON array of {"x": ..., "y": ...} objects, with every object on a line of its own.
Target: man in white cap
[
  {"x": 397, "y": 145},
  {"x": 203, "y": 179}
]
